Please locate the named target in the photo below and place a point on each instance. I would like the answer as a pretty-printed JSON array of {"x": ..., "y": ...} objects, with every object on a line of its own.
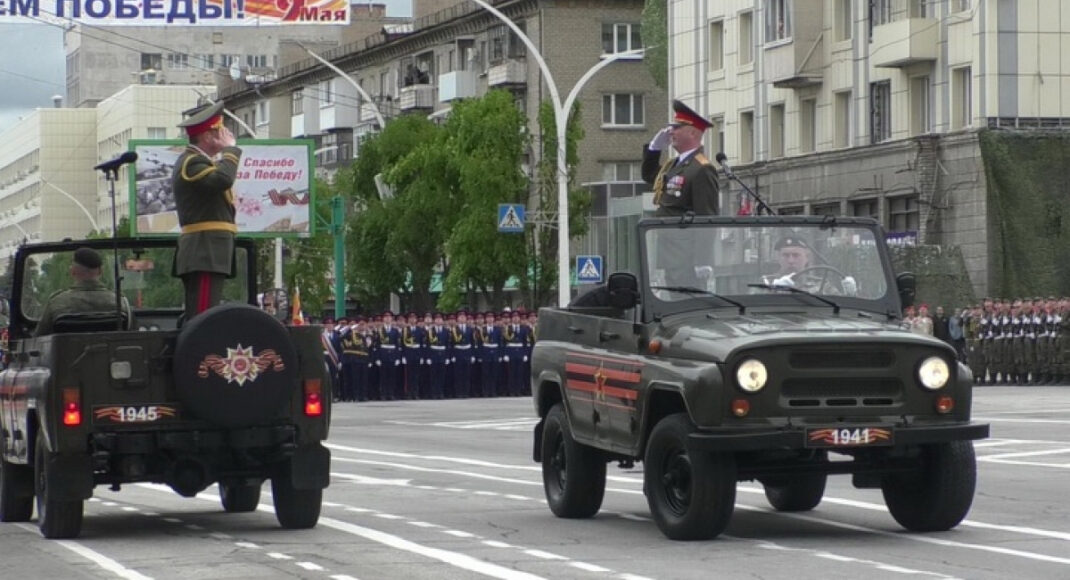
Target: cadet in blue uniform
[
  {"x": 531, "y": 323},
  {"x": 413, "y": 339},
  {"x": 439, "y": 354},
  {"x": 515, "y": 336},
  {"x": 490, "y": 338},
  {"x": 464, "y": 355},
  {"x": 391, "y": 375}
]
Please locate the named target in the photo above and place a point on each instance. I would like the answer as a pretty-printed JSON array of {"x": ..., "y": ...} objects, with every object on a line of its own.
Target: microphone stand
[
  {"x": 112, "y": 174},
  {"x": 761, "y": 203}
]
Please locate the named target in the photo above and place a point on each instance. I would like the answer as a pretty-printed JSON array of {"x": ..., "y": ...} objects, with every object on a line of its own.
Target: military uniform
[
  {"x": 490, "y": 348},
  {"x": 85, "y": 295},
  {"x": 974, "y": 347},
  {"x": 204, "y": 202},
  {"x": 440, "y": 353},
  {"x": 464, "y": 357},
  {"x": 391, "y": 373}
]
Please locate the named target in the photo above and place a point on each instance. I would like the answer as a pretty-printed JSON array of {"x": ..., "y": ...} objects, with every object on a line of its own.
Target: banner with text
[
  {"x": 182, "y": 12},
  {"x": 273, "y": 194}
]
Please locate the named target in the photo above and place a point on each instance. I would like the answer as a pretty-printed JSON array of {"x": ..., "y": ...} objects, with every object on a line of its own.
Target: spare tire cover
[{"x": 235, "y": 366}]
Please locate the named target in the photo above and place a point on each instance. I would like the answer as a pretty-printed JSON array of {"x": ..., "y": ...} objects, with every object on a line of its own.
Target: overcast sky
[{"x": 33, "y": 64}]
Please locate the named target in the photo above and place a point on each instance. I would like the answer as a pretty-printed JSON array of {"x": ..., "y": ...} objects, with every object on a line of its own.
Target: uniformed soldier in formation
[
  {"x": 332, "y": 354},
  {"x": 464, "y": 355},
  {"x": 972, "y": 331},
  {"x": 440, "y": 353},
  {"x": 515, "y": 337},
  {"x": 413, "y": 336},
  {"x": 490, "y": 340},
  {"x": 204, "y": 202},
  {"x": 86, "y": 294},
  {"x": 391, "y": 373}
]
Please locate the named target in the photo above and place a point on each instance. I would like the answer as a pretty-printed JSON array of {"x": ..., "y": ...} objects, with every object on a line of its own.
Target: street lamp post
[
  {"x": 561, "y": 114},
  {"x": 88, "y": 215}
]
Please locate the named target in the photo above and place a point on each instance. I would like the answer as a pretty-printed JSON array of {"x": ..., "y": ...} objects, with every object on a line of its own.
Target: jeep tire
[
  {"x": 56, "y": 518},
  {"x": 938, "y": 495},
  {"x": 691, "y": 495},
  {"x": 235, "y": 366},
  {"x": 16, "y": 492},
  {"x": 296, "y": 509},
  {"x": 573, "y": 474},
  {"x": 239, "y": 497}
]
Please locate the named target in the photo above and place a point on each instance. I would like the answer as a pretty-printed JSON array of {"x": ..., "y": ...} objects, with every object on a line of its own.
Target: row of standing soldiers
[
  {"x": 438, "y": 357},
  {"x": 1024, "y": 342}
]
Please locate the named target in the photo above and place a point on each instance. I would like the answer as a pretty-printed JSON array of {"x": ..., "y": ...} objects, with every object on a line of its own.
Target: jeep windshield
[{"x": 782, "y": 262}]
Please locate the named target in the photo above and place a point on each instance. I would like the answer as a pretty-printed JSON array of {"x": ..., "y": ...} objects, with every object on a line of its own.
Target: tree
[
  {"x": 310, "y": 258},
  {"x": 655, "y": 32}
]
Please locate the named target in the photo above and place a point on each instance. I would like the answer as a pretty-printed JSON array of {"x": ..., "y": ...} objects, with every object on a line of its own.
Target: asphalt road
[{"x": 439, "y": 490}]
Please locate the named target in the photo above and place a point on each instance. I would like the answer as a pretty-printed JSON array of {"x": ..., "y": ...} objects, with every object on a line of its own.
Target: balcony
[
  {"x": 459, "y": 84},
  {"x": 796, "y": 64},
  {"x": 508, "y": 73},
  {"x": 417, "y": 97},
  {"x": 905, "y": 42}
]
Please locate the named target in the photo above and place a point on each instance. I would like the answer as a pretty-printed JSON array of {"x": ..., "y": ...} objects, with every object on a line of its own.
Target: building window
[
  {"x": 843, "y": 23},
  {"x": 262, "y": 113},
  {"x": 866, "y": 208},
  {"x": 776, "y": 131},
  {"x": 777, "y": 20},
  {"x": 790, "y": 210},
  {"x": 841, "y": 136},
  {"x": 746, "y": 37},
  {"x": 466, "y": 54},
  {"x": 716, "y": 44},
  {"x": 177, "y": 61},
  {"x": 746, "y": 137},
  {"x": 622, "y": 110},
  {"x": 826, "y": 209},
  {"x": 620, "y": 38},
  {"x": 256, "y": 60},
  {"x": 717, "y": 135},
  {"x": 880, "y": 111},
  {"x": 229, "y": 60},
  {"x": 903, "y": 213},
  {"x": 880, "y": 12},
  {"x": 156, "y": 132},
  {"x": 217, "y": 38},
  {"x": 807, "y": 125},
  {"x": 152, "y": 61},
  {"x": 626, "y": 171},
  {"x": 297, "y": 102},
  {"x": 961, "y": 98},
  {"x": 920, "y": 110},
  {"x": 327, "y": 93},
  {"x": 205, "y": 61},
  {"x": 329, "y": 149},
  {"x": 961, "y": 5}
]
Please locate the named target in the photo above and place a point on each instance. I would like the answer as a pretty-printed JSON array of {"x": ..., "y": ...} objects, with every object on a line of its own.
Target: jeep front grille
[
  {"x": 840, "y": 392},
  {"x": 841, "y": 359}
]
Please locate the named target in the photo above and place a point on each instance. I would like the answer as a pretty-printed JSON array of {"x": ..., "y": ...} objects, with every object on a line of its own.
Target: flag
[
  {"x": 745, "y": 206},
  {"x": 297, "y": 319}
]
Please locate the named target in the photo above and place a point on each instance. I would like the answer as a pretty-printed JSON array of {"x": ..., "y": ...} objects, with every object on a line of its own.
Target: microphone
[
  {"x": 114, "y": 165},
  {"x": 722, "y": 160}
]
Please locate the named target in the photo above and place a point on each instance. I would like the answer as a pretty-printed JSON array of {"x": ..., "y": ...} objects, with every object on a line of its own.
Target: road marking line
[
  {"x": 633, "y": 577},
  {"x": 194, "y": 527},
  {"x": 518, "y": 497},
  {"x": 172, "y": 520},
  {"x": 544, "y": 555},
  {"x": 279, "y": 556},
  {"x": 248, "y": 545},
  {"x": 388, "y": 516},
  {"x": 589, "y": 567},
  {"x": 767, "y": 545},
  {"x": 1027, "y": 454},
  {"x": 423, "y": 524},
  {"x": 456, "y": 559},
  {"x": 331, "y": 504},
  {"x": 311, "y": 566},
  {"x": 342, "y": 577},
  {"x": 460, "y": 534},
  {"x": 1002, "y": 420},
  {"x": 94, "y": 556},
  {"x": 129, "y": 508},
  {"x": 497, "y": 544},
  {"x": 358, "y": 510},
  {"x": 110, "y": 504},
  {"x": 150, "y": 514}
]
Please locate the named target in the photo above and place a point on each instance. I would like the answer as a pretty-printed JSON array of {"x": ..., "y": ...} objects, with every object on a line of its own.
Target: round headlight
[
  {"x": 934, "y": 373},
  {"x": 751, "y": 375}
]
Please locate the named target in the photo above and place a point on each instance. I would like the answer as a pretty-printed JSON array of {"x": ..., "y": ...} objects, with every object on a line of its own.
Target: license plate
[
  {"x": 848, "y": 436},
  {"x": 133, "y": 414}
]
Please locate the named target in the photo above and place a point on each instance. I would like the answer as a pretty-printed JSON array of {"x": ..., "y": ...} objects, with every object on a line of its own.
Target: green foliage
[
  {"x": 655, "y": 31},
  {"x": 309, "y": 261},
  {"x": 1028, "y": 182}
]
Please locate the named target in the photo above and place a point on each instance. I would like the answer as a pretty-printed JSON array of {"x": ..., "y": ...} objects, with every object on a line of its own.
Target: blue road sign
[
  {"x": 589, "y": 269},
  {"x": 511, "y": 218}
]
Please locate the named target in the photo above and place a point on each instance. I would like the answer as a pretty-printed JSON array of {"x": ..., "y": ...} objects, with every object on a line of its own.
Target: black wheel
[
  {"x": 296, "y": 509},
  {"x": 573, "y": 474},
  {"x": 235, "y": 366},
  {"x": 16, "y": 492},
  {"x": 239, "y": 498},
  {"x": 938, "y": 495},
  {"x": 57, "y": 519},
  {"x": 799, "y": 493},
  {"x": 691, "y": 495}
]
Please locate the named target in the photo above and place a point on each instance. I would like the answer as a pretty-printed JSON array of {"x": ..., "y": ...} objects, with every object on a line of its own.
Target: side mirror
[
  {"x": 623, "y": 290},
  {"x": 906, "y": 282}
]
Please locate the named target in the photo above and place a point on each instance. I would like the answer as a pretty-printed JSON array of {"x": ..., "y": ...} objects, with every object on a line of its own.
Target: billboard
[
  {"x": 273, "y": 195},
  {"x": 178, "y": 12}
]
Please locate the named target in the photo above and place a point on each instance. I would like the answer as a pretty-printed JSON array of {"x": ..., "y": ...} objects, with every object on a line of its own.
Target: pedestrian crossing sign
[
  {"x": 589, "y": 269},
  {"x": 511, "y": 218}
]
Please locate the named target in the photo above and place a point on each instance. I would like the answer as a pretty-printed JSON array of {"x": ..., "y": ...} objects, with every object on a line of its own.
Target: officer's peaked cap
[
  {"x": 787, "y": 241},
  {"x": 203, "y": 120}
]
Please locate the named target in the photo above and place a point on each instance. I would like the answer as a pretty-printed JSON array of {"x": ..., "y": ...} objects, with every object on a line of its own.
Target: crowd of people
[
  {"x": 434, "y": 356},
  {"x": 1023, "y": 341}
]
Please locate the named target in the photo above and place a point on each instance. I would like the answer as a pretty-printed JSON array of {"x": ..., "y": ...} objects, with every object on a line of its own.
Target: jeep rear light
[
  {"x": 72, "y": 407},
  {"x": 313, "y": 400}
]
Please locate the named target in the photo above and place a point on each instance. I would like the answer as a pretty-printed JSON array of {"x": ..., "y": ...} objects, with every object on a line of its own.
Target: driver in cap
[{"x": 797, "y": 270}]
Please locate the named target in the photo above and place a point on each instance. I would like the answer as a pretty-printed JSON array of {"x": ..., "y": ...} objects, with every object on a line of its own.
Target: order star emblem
[{"x": 239, "y": 365}]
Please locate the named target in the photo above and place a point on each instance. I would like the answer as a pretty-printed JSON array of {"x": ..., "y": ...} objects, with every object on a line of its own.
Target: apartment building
[
  {"x": 872, "y": 107},
  {"x": 462, "y": 51}
]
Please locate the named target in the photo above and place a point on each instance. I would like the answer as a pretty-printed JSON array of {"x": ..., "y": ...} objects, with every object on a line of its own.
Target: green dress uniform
[{"x": 204, "y": 202}]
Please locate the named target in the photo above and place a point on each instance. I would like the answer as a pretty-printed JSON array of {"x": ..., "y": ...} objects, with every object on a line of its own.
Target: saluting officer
[
  {"x": 204, "y": 202},
  {"x": 464, "y": 356}
]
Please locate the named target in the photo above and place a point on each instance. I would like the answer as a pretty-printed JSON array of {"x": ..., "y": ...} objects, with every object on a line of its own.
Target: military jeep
[
  {"x": 717, "y": 364},
  {"x": 232, "y": 396}
]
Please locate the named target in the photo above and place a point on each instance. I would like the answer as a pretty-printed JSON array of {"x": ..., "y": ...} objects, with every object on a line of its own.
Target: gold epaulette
[{"x": 702, "y": 159}]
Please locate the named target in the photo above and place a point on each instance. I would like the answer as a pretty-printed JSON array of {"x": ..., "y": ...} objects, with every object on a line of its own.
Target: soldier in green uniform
[
  {"x": 88, "y": 294},
  {"x": 975, "y": 356},
  {"x": 684, "y": 183},
  {"x": 205, "y": 204}
]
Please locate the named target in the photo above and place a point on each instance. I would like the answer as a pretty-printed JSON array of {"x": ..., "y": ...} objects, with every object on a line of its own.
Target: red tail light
[
  {"x": 313, "y": 402},
  {"x": 72, "y": 408}
]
